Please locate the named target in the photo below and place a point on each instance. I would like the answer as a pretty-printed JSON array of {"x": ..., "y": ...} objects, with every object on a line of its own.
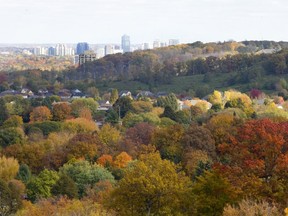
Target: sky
[{"x": 105, "y": 21}]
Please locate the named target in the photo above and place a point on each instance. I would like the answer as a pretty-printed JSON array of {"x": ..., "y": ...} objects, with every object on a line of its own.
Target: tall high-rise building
[
  {"x": 40, "y": 50},
  {"x": 69, "y": 51},
  {"x": 51, "y": 51},
  {"x": 125, "y": 43},
  {"x": 82, "y": 47},
  {"x": 60, "y": 50}
]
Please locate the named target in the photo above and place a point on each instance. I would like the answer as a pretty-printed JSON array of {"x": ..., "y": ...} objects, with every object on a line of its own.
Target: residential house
[
  {"x": 104, "y": 105},
  {"x": 125, "y": 93},
  {"x": 11, "y": 92},
  {"x": 76, "y": 93},
  {"x": 43, "y": 93},
  {"x": 145, "y": 94},
  {"x": 64, "y": 94}
]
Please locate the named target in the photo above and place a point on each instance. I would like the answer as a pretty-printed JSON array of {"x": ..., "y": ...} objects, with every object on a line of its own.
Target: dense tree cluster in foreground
[{"x": 153, "y": 159}]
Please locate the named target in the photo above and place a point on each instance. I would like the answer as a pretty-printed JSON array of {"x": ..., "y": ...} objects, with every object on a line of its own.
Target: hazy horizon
[{"x": 105, "y": 21}]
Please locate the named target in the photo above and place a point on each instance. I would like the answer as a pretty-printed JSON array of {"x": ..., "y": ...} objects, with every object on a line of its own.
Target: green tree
[
  {"x": 151, "y": 118},
  {"x": 168, "y": 142},
  {"x": 85, "y": 174},
  {"x": 123, "y": 105},
  {"x": 183, "y": 116},
  {"x": 9, "y": 136},
  {"x": 80, "y": 103},
  {"x": 211, "y": 193},
  {"x": 170, "y": 101},
  {"x": 169, "y": 113},
  {"x": 142, "y": 106},
  {"x": 65, "y": 186},
  {"x": 4, "y": 112},
  {"x": 16, "y": 105},
  {"x": 165, "y": 122},
  {"x": 40, "y": 186},
  {"x": 112, "y": 116},
  {"x": 93, "y": 92},
  {"x": 131, "y": 119},
  {"x": 13, "y": 121},
  {"x": 48, "y": 101},
  {"x": 24, "y": 173},
  {"x": 46, "y": 127},
  {"x": 114, "y": 96}
]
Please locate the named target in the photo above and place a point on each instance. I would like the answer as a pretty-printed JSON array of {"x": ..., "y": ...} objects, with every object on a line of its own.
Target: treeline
[
  {"x": 160, "y": 66},
  {"x": 148, "y": 68},
  {"x": 21, "y": 62}
]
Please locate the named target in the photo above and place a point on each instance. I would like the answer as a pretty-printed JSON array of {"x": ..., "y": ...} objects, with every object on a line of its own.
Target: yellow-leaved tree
[
  {"x": 151, "y": 186},
  {"x": 8, "y": 168}
]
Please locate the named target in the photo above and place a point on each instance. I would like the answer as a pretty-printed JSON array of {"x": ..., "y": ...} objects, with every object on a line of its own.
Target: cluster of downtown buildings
[{"x": 83, "y": 52}]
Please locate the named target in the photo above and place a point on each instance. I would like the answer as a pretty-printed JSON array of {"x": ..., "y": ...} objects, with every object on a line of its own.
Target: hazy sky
[{"x": 105, "y": 21}]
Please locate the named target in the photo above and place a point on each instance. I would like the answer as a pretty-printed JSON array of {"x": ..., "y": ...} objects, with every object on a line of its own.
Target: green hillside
[{"x": 194, "y": 69}]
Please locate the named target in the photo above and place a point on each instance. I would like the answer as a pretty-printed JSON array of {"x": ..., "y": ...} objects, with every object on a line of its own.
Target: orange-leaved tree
[
  {"x": 61, "y": 111},
  {"x": 41, "y": 113}
]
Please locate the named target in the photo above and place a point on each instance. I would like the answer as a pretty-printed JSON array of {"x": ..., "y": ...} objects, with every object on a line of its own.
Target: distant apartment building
[
  {"x": 125, "y": 43},
  {"x": 156, "y": 44},
  {"x": 117, "y": 47},
  {"x": 146, "y": 46},
  {"x": 40, "y": 51},
  {"x": 27, "y": 52},
  {"x": 51, "y": 51},
  {"x": 76, "y": 60},
  {"x": 69, "y": 51},
  {"x": 82, "y": 47},
  {"x": 100, "y": 53},
  {"x": 109, "y": 49},
  {"x": 117, "y": 51},
  {"x": 60, "y": 50},
  {"x": 163, "y": 44},
  {"x": 173, "y": 42},
  {"x": 83, "y": 58}
]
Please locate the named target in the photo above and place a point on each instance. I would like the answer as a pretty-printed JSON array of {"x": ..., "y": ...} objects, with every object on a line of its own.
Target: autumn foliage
[
  {"x": 41, "y": 113},
  {"x": 230, "y": 159}
]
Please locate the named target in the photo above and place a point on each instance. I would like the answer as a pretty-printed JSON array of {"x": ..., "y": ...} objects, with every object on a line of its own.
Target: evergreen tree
[
  {"x": 24, "y": 173},
  {"x": 170, "y": 101},
  {"x": 4, "y": 115},
  {"x": 65, "y": 186}
]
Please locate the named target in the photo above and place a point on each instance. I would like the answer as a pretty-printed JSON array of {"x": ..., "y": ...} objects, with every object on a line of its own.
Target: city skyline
[
  {"x": 105, "y": 21},
  {"x": 83, "y": 48}
]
